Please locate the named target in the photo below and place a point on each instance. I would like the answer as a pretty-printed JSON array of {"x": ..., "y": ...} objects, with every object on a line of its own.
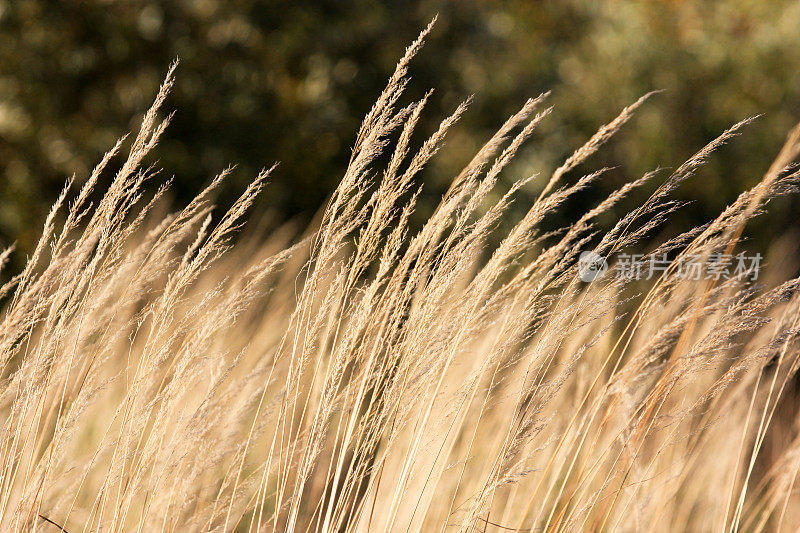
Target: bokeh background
[{"x": 288, "y": 81}]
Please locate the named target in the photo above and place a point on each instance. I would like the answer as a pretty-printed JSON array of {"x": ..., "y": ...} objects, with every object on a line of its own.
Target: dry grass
[{"x": 157, "y": 376}]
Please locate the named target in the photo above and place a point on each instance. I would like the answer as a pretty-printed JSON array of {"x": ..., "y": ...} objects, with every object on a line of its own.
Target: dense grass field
[{"x": 179, "y": 371}]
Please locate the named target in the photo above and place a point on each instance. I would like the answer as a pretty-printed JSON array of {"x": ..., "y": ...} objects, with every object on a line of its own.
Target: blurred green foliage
[{"x": 289, "y": 81}]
